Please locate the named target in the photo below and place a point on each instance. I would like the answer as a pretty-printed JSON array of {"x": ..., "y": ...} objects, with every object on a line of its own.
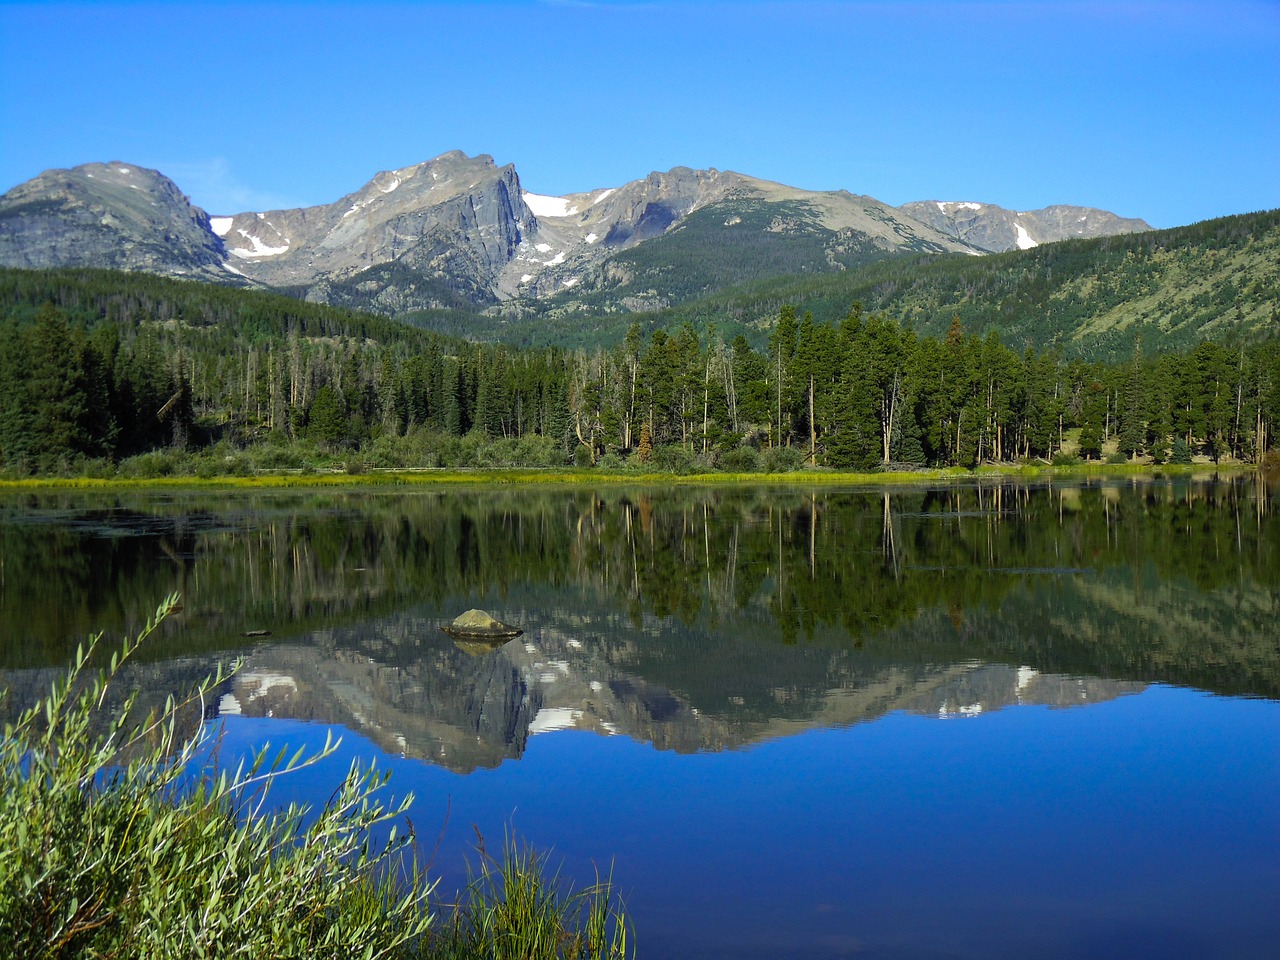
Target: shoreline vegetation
[
  {"x": 355, "y": 476},
  {"x": 124, "y": 837},
  {"x": 105, "y": 375}
]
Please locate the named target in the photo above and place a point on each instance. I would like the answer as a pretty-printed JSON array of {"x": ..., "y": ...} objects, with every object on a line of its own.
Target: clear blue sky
[{"x": 1164, "y": 110}]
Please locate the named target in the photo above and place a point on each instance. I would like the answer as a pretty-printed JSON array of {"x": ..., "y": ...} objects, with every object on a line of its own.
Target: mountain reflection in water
[
  {"x": 691, "y": 618},
  {"x": 465, "y": 710}
]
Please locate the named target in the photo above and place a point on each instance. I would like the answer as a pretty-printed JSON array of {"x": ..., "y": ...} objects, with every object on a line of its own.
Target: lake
[{"x": 993, "y": 719}]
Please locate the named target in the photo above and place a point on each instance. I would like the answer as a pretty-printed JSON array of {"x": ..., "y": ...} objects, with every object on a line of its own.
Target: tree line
[{"x": 100, "y": 366}]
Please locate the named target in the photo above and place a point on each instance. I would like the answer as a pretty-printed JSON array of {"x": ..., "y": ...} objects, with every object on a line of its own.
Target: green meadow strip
[{"x": 596, "y": 477}]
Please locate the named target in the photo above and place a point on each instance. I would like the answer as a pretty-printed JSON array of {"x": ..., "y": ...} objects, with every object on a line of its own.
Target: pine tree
[
  {"x": 325, "y": 420},
  {"x": 55, "y": 388}
]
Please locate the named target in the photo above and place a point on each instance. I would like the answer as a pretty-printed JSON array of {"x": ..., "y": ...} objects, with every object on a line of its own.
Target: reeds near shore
[{"x": 119, "y": 838}]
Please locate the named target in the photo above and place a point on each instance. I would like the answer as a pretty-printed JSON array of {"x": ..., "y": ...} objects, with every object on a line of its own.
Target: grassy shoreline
[{"x": 480, "y": 476}]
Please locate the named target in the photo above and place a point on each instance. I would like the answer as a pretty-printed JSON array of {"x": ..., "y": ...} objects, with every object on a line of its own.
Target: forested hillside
[
  {"x": 99, "y": 369},
  {"x": 1095, "y": 299}
]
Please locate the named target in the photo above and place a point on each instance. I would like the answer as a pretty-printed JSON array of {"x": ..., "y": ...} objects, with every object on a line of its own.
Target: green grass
[
  {"x": 599, "y": 477},
  {"x": 517, "y": 907},
  {"x": 119, "y": 839}
]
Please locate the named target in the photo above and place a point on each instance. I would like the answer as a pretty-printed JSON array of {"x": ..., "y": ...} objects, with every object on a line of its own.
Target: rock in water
[
  {"x": 475, "y": 620},
  {"x": 479, "y": 625}
]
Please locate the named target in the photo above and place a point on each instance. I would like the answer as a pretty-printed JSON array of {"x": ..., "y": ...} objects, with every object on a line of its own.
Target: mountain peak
[{"x": 117, "y": 215}]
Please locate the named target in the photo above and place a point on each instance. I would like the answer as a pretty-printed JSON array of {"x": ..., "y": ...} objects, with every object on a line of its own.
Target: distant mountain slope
[
  {"x": 459, "y": 230},
  {"x": 744, "y": 237},
  {"x": 1095, "y": 298},
  {"x": 995, "y": 229}
]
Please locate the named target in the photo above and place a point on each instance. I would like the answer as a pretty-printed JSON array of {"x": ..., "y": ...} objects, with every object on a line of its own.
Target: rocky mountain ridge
[
  {"x": 995, "y": 229},
  {"x": 462, "y": 231}
]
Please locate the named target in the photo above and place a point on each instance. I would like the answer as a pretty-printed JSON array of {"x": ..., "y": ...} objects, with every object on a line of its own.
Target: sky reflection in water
[{"x": 1142, "y": 826}]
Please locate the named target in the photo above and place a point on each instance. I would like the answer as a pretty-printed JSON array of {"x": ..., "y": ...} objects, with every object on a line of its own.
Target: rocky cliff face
[
  {"x": 454, "y": 222},
  {"x": 112, "y": 215},
  {"x": 995, "y": 229}
]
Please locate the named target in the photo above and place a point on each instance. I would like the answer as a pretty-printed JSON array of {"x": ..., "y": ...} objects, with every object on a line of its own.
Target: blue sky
[{"x": 1160, "y": 109}]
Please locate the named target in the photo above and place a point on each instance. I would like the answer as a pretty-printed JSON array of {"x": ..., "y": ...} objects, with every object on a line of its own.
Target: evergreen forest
[{"x": 104, "y": 372}]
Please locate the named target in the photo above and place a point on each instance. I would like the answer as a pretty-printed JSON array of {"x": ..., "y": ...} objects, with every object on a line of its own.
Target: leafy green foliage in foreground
[{"x": 113, "y": 848}]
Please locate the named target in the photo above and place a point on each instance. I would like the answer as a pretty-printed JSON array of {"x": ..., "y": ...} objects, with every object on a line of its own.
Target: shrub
[
  {"x": 1061, "y": 459},
  {"x": 740, "y": 460},
  {"x": 1180, "y": 452},
  {"x": 536, "y": 450},
  {"x": 113, "y": 847},
  {"x": 98, "y": 469},
  {"x": 782, "y": 459},
  {"x": 671, "y": 458},
  {"x": 278, "y": 457},
  {"x": 611, "y": 461},
  {"x": 156, "y": 463},
  {"x": 1118, "y": 457}
]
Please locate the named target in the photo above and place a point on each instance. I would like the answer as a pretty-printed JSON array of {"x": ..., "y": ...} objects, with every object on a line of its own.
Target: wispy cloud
[{"x": 213, "y": 185}]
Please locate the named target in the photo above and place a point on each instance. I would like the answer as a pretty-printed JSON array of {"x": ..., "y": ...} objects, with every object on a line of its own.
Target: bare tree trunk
[{"x": 813, "y": 427}]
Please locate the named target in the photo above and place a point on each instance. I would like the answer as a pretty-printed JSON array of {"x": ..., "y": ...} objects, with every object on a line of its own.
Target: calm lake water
[{"x": 986, "y": 721}]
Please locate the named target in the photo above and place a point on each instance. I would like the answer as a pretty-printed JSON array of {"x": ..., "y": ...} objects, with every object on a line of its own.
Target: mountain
[
  {"x": 996, "y": 230},
  {"x": 436, "y": 234},
  {"x": 461, "y": 232},
  {"x": 112, "y": 215},
  {"x": 730, "y": 229}
]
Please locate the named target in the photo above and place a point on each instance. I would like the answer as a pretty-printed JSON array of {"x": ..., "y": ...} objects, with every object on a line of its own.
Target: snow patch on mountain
[
  {"x": 219, "y": 225},
  {"x": 257, "y": 248},
  {"x": 548, "y": 206},
  {"x": 1024, "y": 239}
]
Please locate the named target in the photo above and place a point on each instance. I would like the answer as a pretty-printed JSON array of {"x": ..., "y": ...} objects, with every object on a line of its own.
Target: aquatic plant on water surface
[{"x": 120, "y": 838}]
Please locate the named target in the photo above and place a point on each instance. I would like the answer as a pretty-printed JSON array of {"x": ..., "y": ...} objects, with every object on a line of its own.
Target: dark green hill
[
  {"x": 132, "y": 298},
  {"x": 1217, "y": 279}
]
